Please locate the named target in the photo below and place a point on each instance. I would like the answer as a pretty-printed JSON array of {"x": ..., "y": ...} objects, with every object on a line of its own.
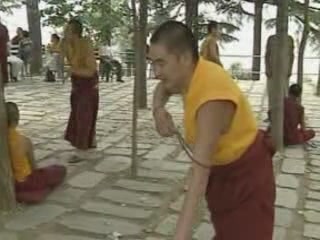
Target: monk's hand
[{"x": 164, "y": 122}]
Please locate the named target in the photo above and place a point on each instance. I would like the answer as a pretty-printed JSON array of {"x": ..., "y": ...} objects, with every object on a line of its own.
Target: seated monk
[
  {"x": 294, "y": 127},
  {"x": 32, "y": 185}
]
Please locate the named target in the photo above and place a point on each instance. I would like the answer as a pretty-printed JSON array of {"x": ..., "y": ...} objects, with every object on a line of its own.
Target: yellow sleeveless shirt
[{"x": 211, "y": 82}]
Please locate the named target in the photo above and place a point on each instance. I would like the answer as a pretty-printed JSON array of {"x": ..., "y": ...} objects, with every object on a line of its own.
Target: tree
[
  {"x": 34, "y": 22},
  {"x": 7, "y": 199},
  {"x": 191, "y": 18},
  {"x": 280, "y": 74},
  {"x": 9, "y": 5}
]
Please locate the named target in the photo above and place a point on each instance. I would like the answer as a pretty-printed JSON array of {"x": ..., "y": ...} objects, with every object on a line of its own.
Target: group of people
[{"x": 231, "y": 157}]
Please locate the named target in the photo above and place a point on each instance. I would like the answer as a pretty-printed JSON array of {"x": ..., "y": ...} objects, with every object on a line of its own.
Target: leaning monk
[
  {"x": 232, "y": 159},
  {"x": 81, "y": 129},
  {"x": 294, "y": 127},
  {"x": 32, "y": 184}
]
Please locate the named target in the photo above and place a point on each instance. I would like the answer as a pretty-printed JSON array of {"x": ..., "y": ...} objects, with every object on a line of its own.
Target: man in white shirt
[{"x": 108, "y": 64}]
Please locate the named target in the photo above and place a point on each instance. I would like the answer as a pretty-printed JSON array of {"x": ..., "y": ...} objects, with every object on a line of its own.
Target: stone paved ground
[{"x": 100, "y": 201}]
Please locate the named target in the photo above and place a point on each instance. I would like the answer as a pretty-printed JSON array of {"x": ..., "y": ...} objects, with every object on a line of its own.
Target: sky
[{"x": 228, "y": 51}]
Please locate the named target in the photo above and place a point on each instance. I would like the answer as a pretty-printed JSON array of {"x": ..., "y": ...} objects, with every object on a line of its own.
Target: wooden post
[
  {"x": 7, "y": 197},
  {"x": 318, "y": 82},
  {"x": 256, "y": 59},
  {"x": 280, "y": 74}
]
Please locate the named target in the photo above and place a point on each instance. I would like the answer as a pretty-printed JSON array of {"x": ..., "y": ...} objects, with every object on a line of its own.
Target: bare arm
[
  {"x": 214, "y": 52},
  {"x": 160, "y": 97},
  {"x": 213, "y": 119}
]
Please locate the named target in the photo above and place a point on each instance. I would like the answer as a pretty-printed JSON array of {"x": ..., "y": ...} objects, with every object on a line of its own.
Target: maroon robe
[
  {"x": 241, "y": 195},
  {"x": 4, "y": 39},
  {"x": 81, "y": 129}
]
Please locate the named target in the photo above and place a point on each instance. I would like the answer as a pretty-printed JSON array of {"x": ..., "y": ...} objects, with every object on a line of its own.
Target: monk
[
  {"x": 81, "y": 129},
  {"x": 270, "y": 54},
  {"x": 209, "y": 49},
  {"x": 232, "y": 159},
  {"x": 32, "y": 184},
  {"x": 4, "y": 39},
  {"x": 294, "y": 127}
]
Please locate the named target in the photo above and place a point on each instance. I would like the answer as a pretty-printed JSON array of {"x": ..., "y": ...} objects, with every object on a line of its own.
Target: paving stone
[
  {"x": 154, "y": 238},
  {"x": 35, "y": 216},
  {"x": 166, "y": 165},
  {"x": 8, "y": 236},
  {"x": 283, "y": 217},
  {"x": 286, "y": 198},
  {"x": 183, "y": 157},
  {"x": 68, "y": 196},
  {"x": 167, "y": 226},
  {"x": 315, "y": 163},
  {"x": 63, "y": 237},
  {"x": 293, "y": 166},
  {"x": 142, "y": 186},
  {"x": 161, "y": 152},
  {"x": 312, "y": 230},
  {"x": 116, "y": 210},
  {"x": 314, "y": 176},
  {"x": 113, "y": 164},
  {"x": 160, "y": 174},
  {"x": 294, "y": 152},
  {"x": 131, "y": 198},
  {"x": 286, "y": 180},
  {"x": 86, "y": 179},
  {"x": 99, "y": 225},
  {"x": 313, "y": 205},
  {"x": 313, "y": 195},
  {"x": 279, "y": 233},
  {"x": 314, "y": 185},
  {"x": 204, "y": 232},
  {"x": 177, "y": 205},
  {"x": 312, "y": 216}
]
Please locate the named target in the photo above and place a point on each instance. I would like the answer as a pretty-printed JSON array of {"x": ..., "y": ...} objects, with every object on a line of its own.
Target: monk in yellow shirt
[
  {"x": 209, "y": 49},
  {"x": 232, "y": 159},
  {"x": 32, "y": 184},
  {"x": 81, "y": 128}
]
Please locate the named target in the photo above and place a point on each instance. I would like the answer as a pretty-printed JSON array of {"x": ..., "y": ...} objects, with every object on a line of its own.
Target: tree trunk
[
  {"x": 34, "y": 22},
  {"x": 280, "y": 74},
  {"x": 142, "y": 65},
  {"x": 7, "y": 197},
  {"x": 303, "y": 43},
  {"x": 318, "y": 83},
  {"x": 191, "y": 15},
  {"x": 256, "y": 59}
]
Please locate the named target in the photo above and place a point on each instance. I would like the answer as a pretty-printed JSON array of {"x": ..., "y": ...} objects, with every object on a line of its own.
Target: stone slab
[
  {"x": 279, "y": 233},
  {"x": 35, "y": 216},
  {"x": 86, "y": 179},
  {"x": 312, "y": 205},
  {"x": 312, "y": 231},
  {"x": 130, "y": 198},
  {"x": 294, "y": 152},
  {"x": 204, "y": 232},
  {"x": 312, "y": 216},
  {"x": 68, "y": 196},
  {"x": 116, "y": 210},
  {"x": 113, "y": 164},
  {"x": 161, "y": 152},
  {"x": 313, "y": 195},
  {"x": 166, "y": 165},
  {"x": 314, "y": 185},
  {"x": 314, "y": 176},
  {"x": 293, "y": 166},
  {"x": 286, "y": 198},
  {"x": 99, "y": 225},
  {"x": 8, "y": 236},
  {"x": 286, "y": 180},
  {"x": 143, "y": 186},
  {"x": 283, "y": 217},
  {"x": 155, "y": 174},
  {"x": 63, "y": 237},
  {"x": 167, "y": 226},
  {"x": 177, "y": 205}
]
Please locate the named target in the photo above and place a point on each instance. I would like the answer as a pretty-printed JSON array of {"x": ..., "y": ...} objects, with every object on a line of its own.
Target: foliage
[
  {"x": 238, "y": 72},
  {"x": 8, "y": 5}
]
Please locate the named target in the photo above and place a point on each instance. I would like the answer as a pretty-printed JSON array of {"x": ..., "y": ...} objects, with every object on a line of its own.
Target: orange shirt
[
  {"x": 20, "y": 163},
  {"x": 211, "y": 82}
]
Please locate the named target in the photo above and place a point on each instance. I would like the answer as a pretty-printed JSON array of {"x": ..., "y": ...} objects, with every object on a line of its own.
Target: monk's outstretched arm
[{"x": 213, "y": 119}]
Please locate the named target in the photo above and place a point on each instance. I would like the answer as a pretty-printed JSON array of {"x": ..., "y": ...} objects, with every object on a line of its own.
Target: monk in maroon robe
[
  {"x": 4, "y": 39},
  {"x": 294, "y": 128}
]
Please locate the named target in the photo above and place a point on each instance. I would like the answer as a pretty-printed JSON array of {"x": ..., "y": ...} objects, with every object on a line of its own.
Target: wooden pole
[
  {"x": 7, "y": 197},
  {"x": 279, "y": 61}
]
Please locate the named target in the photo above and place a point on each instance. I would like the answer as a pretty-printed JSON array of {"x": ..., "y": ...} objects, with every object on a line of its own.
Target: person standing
[
  {"x": 232, "y": 158},
  {"x": 81, "y": 128},
  {"x": 209, "y": 48},
  {"x": 4, "y": 39}
]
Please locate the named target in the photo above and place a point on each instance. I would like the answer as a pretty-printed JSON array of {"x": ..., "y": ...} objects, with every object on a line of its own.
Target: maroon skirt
[
  {"x": 241, "y": 195},
  {"x": 81, "y": 129}
]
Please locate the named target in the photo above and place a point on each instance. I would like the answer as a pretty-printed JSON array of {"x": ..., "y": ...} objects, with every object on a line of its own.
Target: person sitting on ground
[
  {"x": 294, "y": 127},
  {"x": 32, "y": 184}
]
